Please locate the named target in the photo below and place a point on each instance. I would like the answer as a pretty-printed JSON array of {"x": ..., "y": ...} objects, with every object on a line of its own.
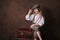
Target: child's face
[{"x": 36, "y": 11}]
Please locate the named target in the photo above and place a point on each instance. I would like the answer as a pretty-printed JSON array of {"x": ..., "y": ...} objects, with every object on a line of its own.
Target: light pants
[{"x": 35, "y": 28}]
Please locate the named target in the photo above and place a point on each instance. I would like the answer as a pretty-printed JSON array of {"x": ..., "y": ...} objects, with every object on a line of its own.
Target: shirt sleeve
[
  {"x": 40, "y": 21},
  {"x": 29, "y": 17}
]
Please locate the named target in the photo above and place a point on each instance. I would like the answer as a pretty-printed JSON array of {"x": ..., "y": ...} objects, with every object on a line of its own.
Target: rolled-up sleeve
[{"x": 29, "y": 17}]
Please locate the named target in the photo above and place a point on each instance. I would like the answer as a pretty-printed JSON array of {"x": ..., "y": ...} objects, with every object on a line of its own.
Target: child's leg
[
  {"x": 39, "y": 35},
  {"x": 35, "y": 39},
  {"x": 35, "y": 35}
]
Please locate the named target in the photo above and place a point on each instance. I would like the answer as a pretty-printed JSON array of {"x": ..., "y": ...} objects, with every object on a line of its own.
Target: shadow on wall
[{"x": 50, "y": 30}]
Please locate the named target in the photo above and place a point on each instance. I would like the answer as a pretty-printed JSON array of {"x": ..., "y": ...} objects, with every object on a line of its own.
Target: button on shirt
[{"x": 35, "y": 18}]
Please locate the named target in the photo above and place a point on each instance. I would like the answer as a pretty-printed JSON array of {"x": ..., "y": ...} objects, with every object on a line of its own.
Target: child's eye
[{"x": 33, "y": 12}]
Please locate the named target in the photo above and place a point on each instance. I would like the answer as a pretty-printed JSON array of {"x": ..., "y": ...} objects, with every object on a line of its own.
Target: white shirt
[{"x": 37, "y": 19}]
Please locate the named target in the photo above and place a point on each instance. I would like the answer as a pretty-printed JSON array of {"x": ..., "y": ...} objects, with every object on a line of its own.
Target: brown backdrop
[{"x": 12, "y": 14}]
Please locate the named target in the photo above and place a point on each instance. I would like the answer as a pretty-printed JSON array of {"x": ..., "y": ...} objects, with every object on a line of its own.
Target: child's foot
[
  {"x": 40, "y": 39},
  {"x": 35, "y": 39}
]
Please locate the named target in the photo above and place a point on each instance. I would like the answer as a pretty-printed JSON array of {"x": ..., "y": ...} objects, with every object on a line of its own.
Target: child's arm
[{"x": 28, "y": 16}]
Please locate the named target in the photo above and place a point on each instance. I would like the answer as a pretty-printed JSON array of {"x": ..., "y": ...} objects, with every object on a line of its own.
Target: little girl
[{"x": 35, "y": 15}]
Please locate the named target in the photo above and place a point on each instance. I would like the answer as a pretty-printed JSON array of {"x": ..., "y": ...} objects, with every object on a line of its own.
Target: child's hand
[{"x": 30, "y": 11}]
